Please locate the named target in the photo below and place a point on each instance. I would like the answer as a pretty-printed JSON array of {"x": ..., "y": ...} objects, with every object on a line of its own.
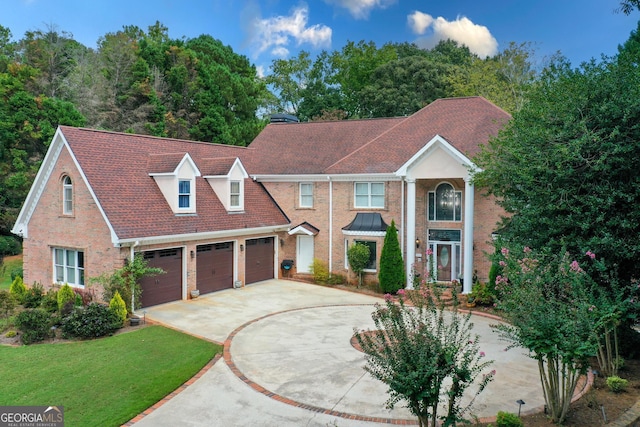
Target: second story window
[
  {"x": 306, "y": 195},
  {"x": 369, "y": 195},
  {"x": 67, "y": 196},
  {"x": 234, "y": 194},
  {"x": 184, "y": 194}
]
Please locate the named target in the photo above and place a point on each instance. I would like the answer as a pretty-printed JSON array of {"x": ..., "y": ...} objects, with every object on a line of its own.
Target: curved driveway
[{"x": 289, "y": 362}]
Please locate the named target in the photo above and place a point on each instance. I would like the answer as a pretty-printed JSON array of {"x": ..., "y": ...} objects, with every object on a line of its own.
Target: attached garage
[
  {"x": 259, "y": 258},
  {"x": 214, "y": 270},
  {"x": 163, "y": 287}
]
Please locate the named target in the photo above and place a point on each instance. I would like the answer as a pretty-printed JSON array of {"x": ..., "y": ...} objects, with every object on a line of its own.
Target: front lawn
[
  {"x": 9, "y": 264},
  {"x": 103, "y": 382}
]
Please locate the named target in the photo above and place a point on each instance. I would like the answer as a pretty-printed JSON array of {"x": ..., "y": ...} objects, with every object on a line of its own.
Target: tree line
[{"x": 144, "y": 82}]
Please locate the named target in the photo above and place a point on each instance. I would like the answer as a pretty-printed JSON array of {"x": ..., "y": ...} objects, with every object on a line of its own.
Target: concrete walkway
[{"x": 289, "y": 362}]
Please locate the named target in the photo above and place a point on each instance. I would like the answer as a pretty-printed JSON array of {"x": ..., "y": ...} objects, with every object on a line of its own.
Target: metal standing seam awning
[{"x": 366, "y": 222}]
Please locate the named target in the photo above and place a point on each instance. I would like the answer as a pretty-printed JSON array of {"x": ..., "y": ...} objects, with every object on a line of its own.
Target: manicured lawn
[
  {"x": 8, "y": 265},
  {"x": 103, "y": 382}
]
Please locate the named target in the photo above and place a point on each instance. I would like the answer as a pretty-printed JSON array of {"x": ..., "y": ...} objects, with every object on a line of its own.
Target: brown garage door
[
  {"x": 259, "y": 260},
  {"x": 214, "y": 269},
  {"x": 163, "y": 287}
]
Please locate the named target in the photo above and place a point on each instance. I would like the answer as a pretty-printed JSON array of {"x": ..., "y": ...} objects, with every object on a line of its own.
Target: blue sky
[{"x": 269, "y": 29}]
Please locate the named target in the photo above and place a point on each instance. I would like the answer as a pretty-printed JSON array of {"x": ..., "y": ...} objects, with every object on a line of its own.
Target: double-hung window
[
  {"x": 234, "y": 194},
  {"x": 369, "y": 195},
  {"x": 68, "y": 266},
  {"x": 184, "y": 194},
  {"x": 306, "y": 195},
  {"x": 67, "y": 196}
]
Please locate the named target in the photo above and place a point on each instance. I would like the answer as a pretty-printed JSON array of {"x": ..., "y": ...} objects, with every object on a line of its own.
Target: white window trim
[
  {"x": 67, "y": 200},
  {"x": 190, "y": 194},
  {"x": 346, "y": 257},
  {"x": 79, "y": 271},
  {"x": 238, "y": 193},
  {"x": 300, "y": 194},
  {"x": 369, "y": 195}
]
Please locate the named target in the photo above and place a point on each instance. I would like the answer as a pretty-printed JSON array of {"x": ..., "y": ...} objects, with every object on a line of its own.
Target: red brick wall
[{"x": 85, "y": 230}]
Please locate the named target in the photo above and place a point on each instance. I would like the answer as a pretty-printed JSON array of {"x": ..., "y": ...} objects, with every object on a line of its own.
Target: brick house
[
  {"x": 189, "y": 208},
  {"x": 216, "y": 216},
  {"x": 344, "y": 181}
]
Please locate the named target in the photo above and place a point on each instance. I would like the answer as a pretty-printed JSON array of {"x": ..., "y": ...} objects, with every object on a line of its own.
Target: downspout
[
  {"x": 402, "y": 219},
  {"x": 132, "y": 256},
  {"x": 330, "y": 225}
]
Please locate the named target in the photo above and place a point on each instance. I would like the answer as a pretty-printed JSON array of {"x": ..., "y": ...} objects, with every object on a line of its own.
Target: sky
[{"x": 265, "y": 30}]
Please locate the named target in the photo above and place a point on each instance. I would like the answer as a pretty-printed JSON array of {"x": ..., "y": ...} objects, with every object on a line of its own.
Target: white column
[
  {"x": 468, "y": 235},
  {"x": 411, "y": 229},
  {"x": 330, "y": 224}
]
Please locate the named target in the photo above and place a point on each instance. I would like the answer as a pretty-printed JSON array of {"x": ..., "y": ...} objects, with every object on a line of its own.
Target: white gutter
[{"x": 330, "y": 225}]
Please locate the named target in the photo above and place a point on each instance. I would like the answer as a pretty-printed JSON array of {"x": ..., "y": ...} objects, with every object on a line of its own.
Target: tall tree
[
  {"x": 353, "y": 67},
  {"x": 565, "y": 168},
  {"x": 392, "y": 275}
]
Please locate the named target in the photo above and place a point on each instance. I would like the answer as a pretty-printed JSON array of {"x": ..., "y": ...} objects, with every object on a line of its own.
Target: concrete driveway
[{"x": 289, "y": 362}]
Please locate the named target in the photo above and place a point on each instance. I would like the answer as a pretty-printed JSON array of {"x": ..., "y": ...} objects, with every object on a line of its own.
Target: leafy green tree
[
  {"x": 358, "y": 257},
  {"x": 424, "y": 354},
  {"x": 353, "y": 67},
  {"x": 391, "y": 276},
  {"x": 18, "y": 290},
  {"x": 288, "y": 78},
  {"x": 565, "y": 167},
  {"x": 126, "y": 281},
  {"x": 545, "y": 299}
]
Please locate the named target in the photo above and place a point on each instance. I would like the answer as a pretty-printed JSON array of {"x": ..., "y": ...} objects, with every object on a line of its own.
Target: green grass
[
  {"x": 103, "y": 382},
  {"x": 6, "y": 268}
]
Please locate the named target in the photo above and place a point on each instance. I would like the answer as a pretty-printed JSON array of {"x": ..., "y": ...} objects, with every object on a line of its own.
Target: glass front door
[
  {"x": 443, "y": 262},
  {"x": 445, "y": 258}
]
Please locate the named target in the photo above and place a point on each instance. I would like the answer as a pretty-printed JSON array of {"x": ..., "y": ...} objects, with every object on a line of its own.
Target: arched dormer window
[
  {"x": 67, "y": 195},
  {"x": 445, "y": 204}
]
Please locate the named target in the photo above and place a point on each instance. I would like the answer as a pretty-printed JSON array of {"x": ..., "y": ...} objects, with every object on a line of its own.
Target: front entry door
[
  {"x": 304, "y": 258},
  {"x": 443, "y": 261}
]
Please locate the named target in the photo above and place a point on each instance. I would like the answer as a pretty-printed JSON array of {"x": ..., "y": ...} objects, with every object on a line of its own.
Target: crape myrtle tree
[
  {"x": 391, "y": 276},
  {"x": 427, "y": 355}
]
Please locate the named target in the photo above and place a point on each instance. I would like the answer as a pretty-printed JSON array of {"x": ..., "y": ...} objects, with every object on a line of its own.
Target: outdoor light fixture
[
  {"x": 193, "y": 254},
  {"x": 520, "y": 402},
  {"x": 241, "y": 248},
  {"x": 417, "y": 243}
]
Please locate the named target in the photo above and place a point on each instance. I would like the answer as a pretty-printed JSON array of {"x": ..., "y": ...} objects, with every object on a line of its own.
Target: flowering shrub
[{"x": 423, "y": 353}]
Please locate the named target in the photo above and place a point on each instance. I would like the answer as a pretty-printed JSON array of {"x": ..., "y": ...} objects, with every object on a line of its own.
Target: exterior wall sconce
[
  {"x": 417, "y": 243},
  {"x": 193, "y": 254},
  {"x": 241, "y": 248},
  {"x": 281, "y": 242}
]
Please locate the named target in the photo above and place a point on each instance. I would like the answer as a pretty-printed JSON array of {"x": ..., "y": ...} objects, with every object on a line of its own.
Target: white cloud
[
  {"x": 476, "y": 37},
  {"x": 360, "y": 9},
  {"x": 276, "y": 33}
]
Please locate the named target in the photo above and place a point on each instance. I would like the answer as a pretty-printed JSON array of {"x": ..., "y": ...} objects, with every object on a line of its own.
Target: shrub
[
  {"x": 10, "y": 334},
  {"x": 391, "y": 276},
  {"x": 34, "y": 295},
  {"x": 481, "y": 294},
  {"x": 65, "y": 295},
  {"x": 35, "y": 324},
  {"x": 507, "y": 419},
  {"x": 358, "y": 257},
  {"x": 7, "y": 303},
  {"x": 118, "y": 306},
  {"x": 617, "y": 384},
  {"x": 17, "y": 271},
  {"x": 50, "y": 301},
  {"x": 337, "y": 279},
  {"x": 320, "y": 271},
  {"x": 93, "y": 321},
  {"x": 18, "y": 289}
]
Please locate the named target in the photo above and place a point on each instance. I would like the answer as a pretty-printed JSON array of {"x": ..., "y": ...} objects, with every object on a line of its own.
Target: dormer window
[
  {"x": 226, "y": 176},
  {"x": 67, "y": 196},
  {"x": 176, "y": 175},
  {"x": 234, "y": 194},
  {"x": 184, "y": 194}
]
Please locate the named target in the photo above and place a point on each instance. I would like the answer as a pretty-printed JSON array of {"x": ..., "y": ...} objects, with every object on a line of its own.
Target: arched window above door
[{"x": 445, "y": 203}]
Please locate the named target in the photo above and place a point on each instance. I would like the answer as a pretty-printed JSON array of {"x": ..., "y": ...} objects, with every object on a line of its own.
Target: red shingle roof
[
  {"x": 116, "y": 166},
  {"x": 375, "y": 145}
]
